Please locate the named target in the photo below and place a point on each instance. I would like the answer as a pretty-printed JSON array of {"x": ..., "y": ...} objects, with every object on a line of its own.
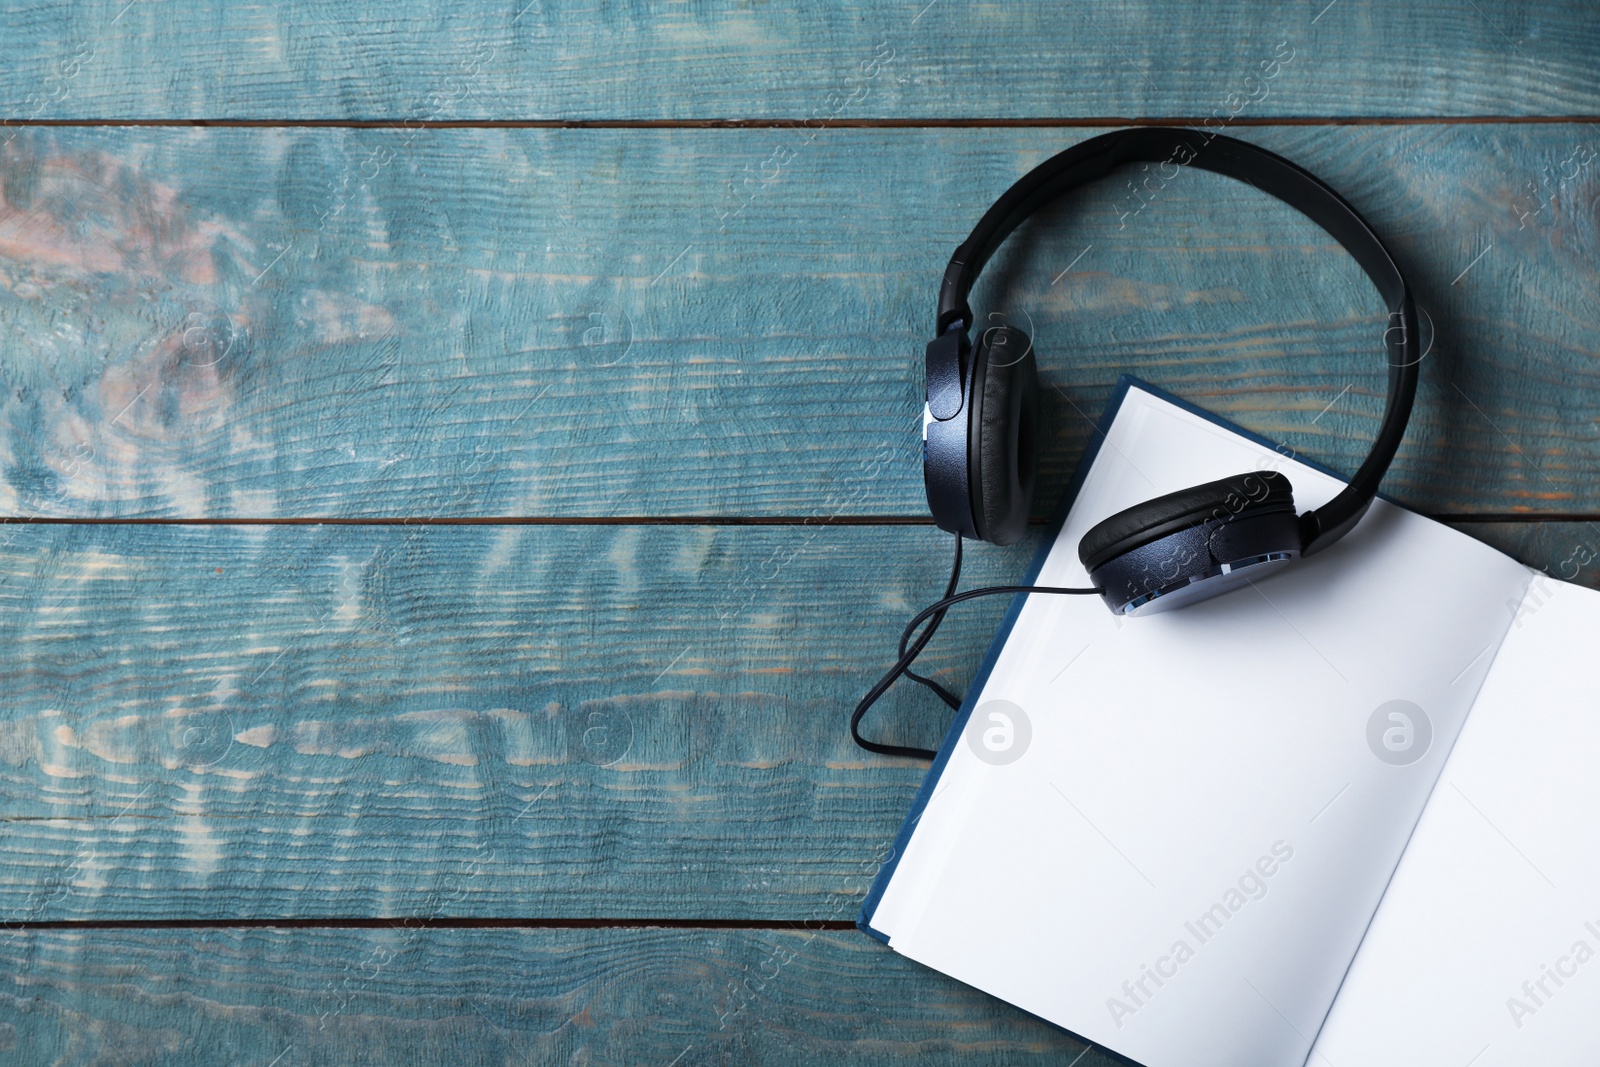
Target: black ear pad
[
  {"x": 1002, "y": 456},
  {"x": 1145, "y": 522},
  {"x": 1193, "y": 543}
]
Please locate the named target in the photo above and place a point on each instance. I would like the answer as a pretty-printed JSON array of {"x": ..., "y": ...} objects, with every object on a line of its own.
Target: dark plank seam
[
  {"x": 831, "y": 123},
  {"x": 676, "y": 520},
  {"x": 430, "y": 922}
]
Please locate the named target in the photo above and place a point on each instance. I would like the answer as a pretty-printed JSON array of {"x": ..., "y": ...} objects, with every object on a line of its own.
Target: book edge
[{"x": 880, "y": 883}]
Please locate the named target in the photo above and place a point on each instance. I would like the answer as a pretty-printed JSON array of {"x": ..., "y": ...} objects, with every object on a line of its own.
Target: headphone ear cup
[
  {"x": 1003, "y": 458},
  {"x": 1192, "y": 544}
]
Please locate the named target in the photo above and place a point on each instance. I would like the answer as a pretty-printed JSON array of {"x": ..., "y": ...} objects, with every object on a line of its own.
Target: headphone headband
[{"x": 1173, "y": 147}]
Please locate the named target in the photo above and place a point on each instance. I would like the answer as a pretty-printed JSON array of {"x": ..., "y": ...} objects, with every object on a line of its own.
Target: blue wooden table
[{"x": 463, "y": 465}]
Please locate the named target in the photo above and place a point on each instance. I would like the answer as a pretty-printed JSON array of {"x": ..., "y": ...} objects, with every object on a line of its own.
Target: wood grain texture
[
  {"x": 216, "y": 722},
  {"x": 538, "y": 722},
  {"x": 535, "y": 59},
  {"x": 262, "y": 323},
  {"x": 688, "y": 998}
]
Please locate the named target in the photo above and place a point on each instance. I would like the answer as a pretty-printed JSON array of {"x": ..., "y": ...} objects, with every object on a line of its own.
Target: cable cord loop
[{"x": 911, "y": 648}]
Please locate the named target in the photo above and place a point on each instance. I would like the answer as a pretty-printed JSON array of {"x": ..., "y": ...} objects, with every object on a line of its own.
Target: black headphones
[{"x": 978, "y": 452}]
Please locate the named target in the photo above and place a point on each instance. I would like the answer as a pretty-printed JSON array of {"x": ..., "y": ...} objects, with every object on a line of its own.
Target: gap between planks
[
  {"x": 1529, "y": 517},
  {"x": 429, "y": 923},
  {"x": 832, "y": 123}
]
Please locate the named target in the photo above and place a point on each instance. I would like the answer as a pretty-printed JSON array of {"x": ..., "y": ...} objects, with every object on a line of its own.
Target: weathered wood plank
[
  {"x": 258, "y": 323},
  {"x": 220, "y": 722},
  {"x": 688, "y": 998},
  {"x": 527, "y": 59},
  {"x": 336, "y": 721}
]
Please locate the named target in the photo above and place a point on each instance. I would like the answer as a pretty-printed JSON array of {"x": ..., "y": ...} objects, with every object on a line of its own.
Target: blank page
[
  {"x": 1181, "y": 864},
  {"x": 1486, "y": 948}
]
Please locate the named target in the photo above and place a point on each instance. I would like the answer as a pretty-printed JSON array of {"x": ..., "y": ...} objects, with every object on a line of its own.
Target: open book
[{"x": 1349, "y": 816}]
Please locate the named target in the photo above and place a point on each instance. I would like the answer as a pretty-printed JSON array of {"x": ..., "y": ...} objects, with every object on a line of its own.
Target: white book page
[
  {"x": 1182, "y": 863},
  {"x": 1486, "y": 948}
]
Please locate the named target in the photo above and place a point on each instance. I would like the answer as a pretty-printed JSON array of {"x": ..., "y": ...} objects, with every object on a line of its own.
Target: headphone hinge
[{"x": 946, "y": 374}]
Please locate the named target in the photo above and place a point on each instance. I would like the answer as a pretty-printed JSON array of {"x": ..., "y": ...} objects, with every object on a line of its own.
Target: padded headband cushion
[
  {"x": 1222, "y": 499},
  {"x": 1005, "y": 384}
]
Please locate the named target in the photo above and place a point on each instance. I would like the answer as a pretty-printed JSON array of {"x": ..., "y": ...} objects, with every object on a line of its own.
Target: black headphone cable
[{"x": 934, "y": 614}]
